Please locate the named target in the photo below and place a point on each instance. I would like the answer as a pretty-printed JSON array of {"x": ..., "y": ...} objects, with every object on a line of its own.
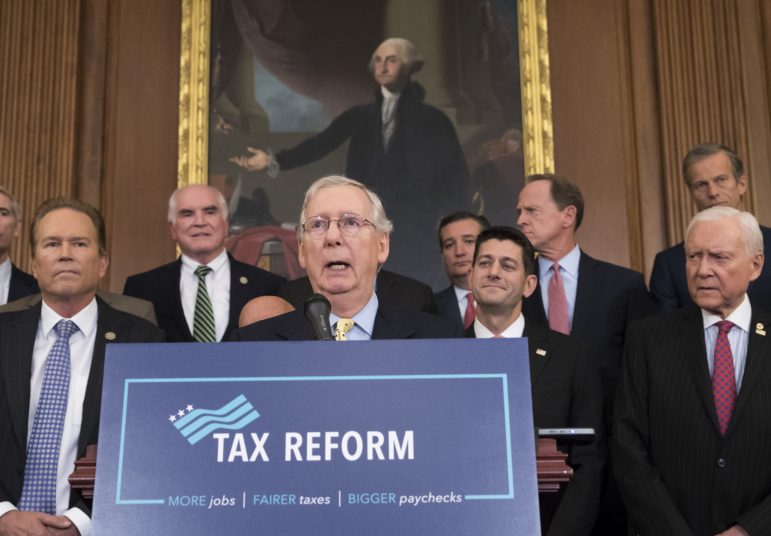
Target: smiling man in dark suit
[
  {"x": 199, "y": 296},
  {"x": 692, "y": 439},
  {"x": 14, "y": 284},
  {"x": 51, "y": 365},
  {"x": 344, "y": 238},
  {"x": 565, "y": 384},
  {"x": 715, "y": 177}
]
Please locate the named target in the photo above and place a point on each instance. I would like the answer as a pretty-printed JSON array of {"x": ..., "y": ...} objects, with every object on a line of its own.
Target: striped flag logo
[{"x": 199, "y": 423}]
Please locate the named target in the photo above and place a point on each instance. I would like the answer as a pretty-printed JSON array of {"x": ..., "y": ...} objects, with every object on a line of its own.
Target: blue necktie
[{"x": 40, "y": 470}]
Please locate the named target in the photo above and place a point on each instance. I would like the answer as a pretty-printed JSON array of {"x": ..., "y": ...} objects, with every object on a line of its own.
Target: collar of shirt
[
  {"x": 514, "y": 330},
  {"x": 741, "y": 316},
  {"x": 5, "y": 280},
  {"x": 85, "y": 319},
  {"x": 569, "y": 263},
  {"x": 217, "y": 263},
  {"x": 364, "y": 321},
  {"x": 389, "y": 95},
  {"x": 461, "y": 296}
]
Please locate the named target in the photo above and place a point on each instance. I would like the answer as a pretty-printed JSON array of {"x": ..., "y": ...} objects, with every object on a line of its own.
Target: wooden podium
[{"x": 553, "y": 475}]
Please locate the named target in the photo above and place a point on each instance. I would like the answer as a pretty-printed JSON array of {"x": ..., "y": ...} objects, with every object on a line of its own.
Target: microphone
[{"x": 317, "y": 310}]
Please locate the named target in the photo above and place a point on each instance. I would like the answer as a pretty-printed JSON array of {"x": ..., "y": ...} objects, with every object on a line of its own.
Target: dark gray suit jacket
[
  {"x": 17, "y": 339},
  {"x": 677, "y": 474},
  {"x": 566, "y": 394}
]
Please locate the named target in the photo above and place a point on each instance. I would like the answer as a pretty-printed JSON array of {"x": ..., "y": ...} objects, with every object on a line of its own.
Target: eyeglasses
[{"x": 349, "y": 225}]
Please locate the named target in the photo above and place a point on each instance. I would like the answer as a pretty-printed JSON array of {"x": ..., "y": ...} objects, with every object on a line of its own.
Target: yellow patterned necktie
[{"x": 343, "y": 326}]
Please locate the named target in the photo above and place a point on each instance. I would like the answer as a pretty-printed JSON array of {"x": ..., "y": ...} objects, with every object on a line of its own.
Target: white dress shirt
[
  {"x": 217, "y": 285},
  {"x": 81, "y": 354},
  {"x": 738, "y": 337},
  {"x": 5, "y": 280},
  {"x": 461, "y": 295},
  {"x": 514, "y": 330}
]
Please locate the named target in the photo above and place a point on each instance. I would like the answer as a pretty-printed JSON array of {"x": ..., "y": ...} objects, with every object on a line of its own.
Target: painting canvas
[{"x": 293, "y": 79}]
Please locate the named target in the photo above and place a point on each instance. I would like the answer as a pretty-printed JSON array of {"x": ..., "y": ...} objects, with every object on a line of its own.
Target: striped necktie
[
  {"x": 38, "y": 493},
  {"x": 203, "y": 318},
  {"x": 344, "y": 325}
]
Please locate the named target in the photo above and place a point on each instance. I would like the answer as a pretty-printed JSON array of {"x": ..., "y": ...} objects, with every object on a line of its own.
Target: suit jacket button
[{"x": 721, "y": 462}]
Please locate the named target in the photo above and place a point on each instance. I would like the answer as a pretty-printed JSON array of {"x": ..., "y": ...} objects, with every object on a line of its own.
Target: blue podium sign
[{"x": 427, "y": 437}]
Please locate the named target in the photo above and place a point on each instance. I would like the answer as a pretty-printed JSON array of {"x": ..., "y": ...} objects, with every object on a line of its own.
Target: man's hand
[
  {"x": 736, "y": 530},
  {"x": 17, "y": 523},
  {"x": 258, "y": 160}
]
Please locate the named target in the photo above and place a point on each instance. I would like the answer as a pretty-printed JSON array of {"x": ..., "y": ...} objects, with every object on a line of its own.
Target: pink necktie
[
  {"x": 558, "y": 304},
  {"x": 723, "y": 378},
  {"x": 471, "y": 313}
]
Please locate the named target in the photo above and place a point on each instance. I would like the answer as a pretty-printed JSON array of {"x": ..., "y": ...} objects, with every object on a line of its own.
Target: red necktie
[
  {"x": 723, "y": 378},
  {"x": 558, "y": 304},
  {"x": 471, "y": 313}
]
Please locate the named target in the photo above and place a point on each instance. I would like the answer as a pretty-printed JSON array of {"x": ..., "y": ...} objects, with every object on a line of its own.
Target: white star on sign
[
  {"x": 181, "y": 413},
  {"x": 189, "y": 407},
  {"x": 172, "y": 418}
]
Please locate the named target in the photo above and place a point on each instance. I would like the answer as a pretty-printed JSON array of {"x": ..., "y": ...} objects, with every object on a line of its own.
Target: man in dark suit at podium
[
  {"x": 199, "y": 296},
  {"x": 344, "y": 238},
  {"x": 14, "y": 284},
  {"x": 51, "y": 365},
  {"x": 692, "y": 441},
  {"x": 457, "y": 235},
  {"x": 565, "y": 383},
  {"x": 715, "y": 176}
]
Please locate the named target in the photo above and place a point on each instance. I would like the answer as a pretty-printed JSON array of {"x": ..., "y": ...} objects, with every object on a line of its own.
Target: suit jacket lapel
[
  {"x": 532, "y": 306},
  {"x": 237, "y": 298},
  {"x": 91, "y": 402},
  {"x": 174, "y": 297},
  {"x": 536, "y": 340},
  {"x": 758, "y": 350},
  {"x": 17, "y": 368},
  {"x": 587, "y": 290},
  {"x": 693, "y": 350},
  {"x": 296, "y": 328},
  {"x": 389, "y": 324}
]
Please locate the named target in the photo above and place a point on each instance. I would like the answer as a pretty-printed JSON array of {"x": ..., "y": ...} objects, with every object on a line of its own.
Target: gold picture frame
[{"x": 192, "y": 165}]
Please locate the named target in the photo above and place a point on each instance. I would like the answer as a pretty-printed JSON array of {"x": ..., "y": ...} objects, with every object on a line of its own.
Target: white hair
[
  {"x": 378, "y": 217},
  {"x": 220, "y": 199},
  {"x": 748, "y": 225},
  {"x": 411, "y": 57}
]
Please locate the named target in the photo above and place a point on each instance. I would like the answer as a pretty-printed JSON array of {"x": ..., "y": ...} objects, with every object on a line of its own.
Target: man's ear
[
  {"x": 569, "y": 216},
  {"x": 531, "y": 283}
]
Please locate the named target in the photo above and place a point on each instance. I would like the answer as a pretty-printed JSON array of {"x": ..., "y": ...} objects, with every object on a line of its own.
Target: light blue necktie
[{"x": 40, "y": 470}]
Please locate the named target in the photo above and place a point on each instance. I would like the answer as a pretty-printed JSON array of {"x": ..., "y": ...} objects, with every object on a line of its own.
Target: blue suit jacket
[{"x": 670, "y": 288}]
